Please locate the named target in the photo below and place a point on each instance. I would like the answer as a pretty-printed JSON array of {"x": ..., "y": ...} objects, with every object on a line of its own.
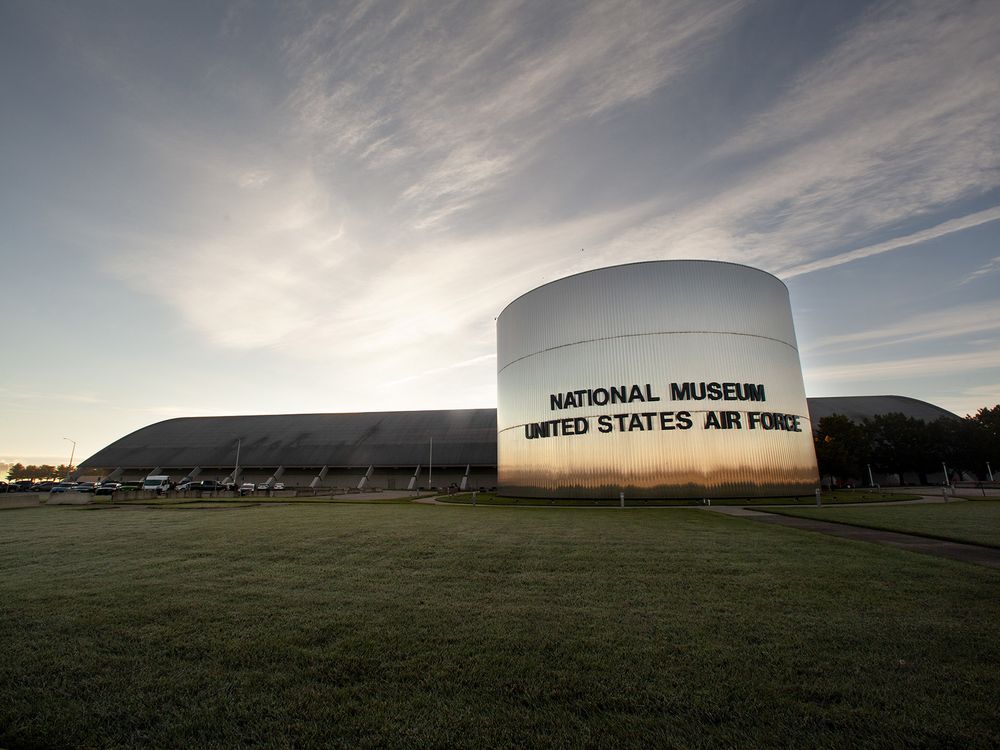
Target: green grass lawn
[
  {"x": 844, "y": 497},
  {"x": 421, "y": 626},
  {"x": 977, "y": 522}
]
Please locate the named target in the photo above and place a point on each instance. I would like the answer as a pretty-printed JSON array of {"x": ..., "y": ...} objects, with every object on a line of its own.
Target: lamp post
[
  {"x": 871, "y": 482},
  {"x": 430, "y": 465},
  {"x": 236, "y": 469},
  {"x": 72, "y": 452}
]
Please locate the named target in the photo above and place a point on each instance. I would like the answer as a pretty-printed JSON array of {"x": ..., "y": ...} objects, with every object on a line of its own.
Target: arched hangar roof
[
  {"x": 857, "y": 408},
  {"x": 393, "y": 438}
]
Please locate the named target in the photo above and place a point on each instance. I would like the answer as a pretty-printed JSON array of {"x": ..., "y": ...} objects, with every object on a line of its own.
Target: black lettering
[
  {"x": 755, "y": 392},
  {"x": 712, "y": 421},
  {"x": 649, "y": 393},
  {"x": 555, "y": 402},
  {"x": 601, "y": 396},
  {"x": 635, "y": 394},
  {"x": 635, "y": 423},
  {"x": 680, "y": 392},
  {"x": 604, "y": 424},
  {"x": 618, "y": 394},
  {"x": 684, "y": 420},
  {"x": 649, "y": 418},
  {"x": 753, "y": 419},
  {"x": 795, "y": 424},
  {"x": 567, "y": 427},
  {"x": 621, "y": 421},
  {"x": 666, "y": 419},
  {"x": 714, "y": 391},
  {"x": 570, "y": 400},
  {"x": 729, "y": 391},
  {"x": 581, "y": 426},
  {"x": 733, "y": 420}
]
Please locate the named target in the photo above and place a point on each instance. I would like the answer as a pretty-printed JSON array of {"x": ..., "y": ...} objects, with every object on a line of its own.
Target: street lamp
[{"x": 72, "y": 452}]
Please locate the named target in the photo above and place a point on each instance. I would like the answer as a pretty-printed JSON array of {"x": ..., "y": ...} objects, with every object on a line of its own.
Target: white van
[{"x": 157, "y": 483}]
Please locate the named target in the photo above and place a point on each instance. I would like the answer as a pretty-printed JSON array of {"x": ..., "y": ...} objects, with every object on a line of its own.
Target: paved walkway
[{"x": 970, "y": 553}]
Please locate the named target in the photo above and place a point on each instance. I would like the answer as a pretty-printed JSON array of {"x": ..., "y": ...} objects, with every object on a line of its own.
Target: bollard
[
  {"x": 819, "y": 494},
  {"x": 473, "y": 499},
  {"x": 621, "y": 498},
  {"x": 944, "y": 493}
]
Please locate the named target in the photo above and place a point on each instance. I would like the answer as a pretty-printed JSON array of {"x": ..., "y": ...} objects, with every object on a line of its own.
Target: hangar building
[{"x": 661, "y": 379}]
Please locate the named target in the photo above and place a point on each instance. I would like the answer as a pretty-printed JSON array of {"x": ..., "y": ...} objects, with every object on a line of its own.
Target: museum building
[{"x": 660, "y": 379}]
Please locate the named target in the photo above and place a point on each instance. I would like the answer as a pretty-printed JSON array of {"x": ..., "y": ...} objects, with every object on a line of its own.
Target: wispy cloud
[
  {"x": 987, "y": 269},
  {"x": 458, "y": 97},
  {"x": 911, "y": 367},
  {"x": 896, "y": 122},
  {"x": 940, "y": 230},
  {"x": 962, "y": 321}
]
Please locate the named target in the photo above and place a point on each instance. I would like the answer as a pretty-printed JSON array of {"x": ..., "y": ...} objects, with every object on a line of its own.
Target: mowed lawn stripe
[{"x": 427, "y": 626}]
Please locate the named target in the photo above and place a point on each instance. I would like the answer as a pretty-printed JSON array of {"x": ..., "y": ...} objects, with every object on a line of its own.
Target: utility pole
[
  {"x": 72, "y": 452},
  {"x": 430, "y": 466}
]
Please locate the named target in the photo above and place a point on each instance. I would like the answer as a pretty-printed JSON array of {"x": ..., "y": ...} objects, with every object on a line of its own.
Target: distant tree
[
  {"x": 63, "y": 471},
  {"x": 982, "y": 439},
  {"x": 900, "y": 444},
  {"x": 840, "y": 448},
  {"x": 17, "y": 471}
]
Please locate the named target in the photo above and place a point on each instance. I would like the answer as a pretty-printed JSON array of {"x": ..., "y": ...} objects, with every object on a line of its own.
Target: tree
[
  {"x": 840, "y": 447},
  {"x": 17, "y": 471}
]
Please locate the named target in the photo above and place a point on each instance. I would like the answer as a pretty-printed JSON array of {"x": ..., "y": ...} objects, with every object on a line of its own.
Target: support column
[
  {"x": 413, "y": 479},
  {"x": 113, "y": 476},
  {"x": 365, "y": 478},
  {"x": 276, "y": 475},
  {"x": 319, "y": 477},
  {"x": 465, "y": 479},
  {"x": 193, "y": 473}
]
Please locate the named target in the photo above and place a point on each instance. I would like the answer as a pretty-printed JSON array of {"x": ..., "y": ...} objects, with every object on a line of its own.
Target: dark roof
[
  {"x": 857, "y": 408},
  {"x": 392, "y": 438}
]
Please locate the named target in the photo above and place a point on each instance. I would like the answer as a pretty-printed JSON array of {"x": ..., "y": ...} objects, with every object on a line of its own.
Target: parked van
[{"x": 156, "y": 483}]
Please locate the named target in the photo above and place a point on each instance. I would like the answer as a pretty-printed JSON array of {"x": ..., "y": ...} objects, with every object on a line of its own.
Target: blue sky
[{"x": 232, "y": 208}]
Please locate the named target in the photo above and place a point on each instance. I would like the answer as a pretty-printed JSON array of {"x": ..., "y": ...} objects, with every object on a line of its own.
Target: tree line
[
  {"x": 38, "y": 473},
  {"x": 896, "y": 444}
]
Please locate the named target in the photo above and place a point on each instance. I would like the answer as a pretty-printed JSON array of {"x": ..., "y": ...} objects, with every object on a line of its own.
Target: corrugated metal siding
[{"x": 655, "y": 323}]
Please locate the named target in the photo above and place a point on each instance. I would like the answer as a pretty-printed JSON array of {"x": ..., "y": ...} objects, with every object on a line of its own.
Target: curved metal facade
[{"x": 659, "y": 379}]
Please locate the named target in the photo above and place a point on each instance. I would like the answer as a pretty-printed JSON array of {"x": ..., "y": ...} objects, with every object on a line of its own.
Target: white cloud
[
  {"x": 988, "y": 268},
  {"x": 912, "y": 367},
  {"x": 457, "y": 98},
  {"x": 898, "y": 121},
  {"x": 961, "y": 321}
]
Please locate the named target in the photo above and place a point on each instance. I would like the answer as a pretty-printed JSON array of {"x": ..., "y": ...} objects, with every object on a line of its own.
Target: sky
[{"x": 252, "y": 207}]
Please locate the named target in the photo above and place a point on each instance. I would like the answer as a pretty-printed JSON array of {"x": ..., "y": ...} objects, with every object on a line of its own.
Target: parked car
[
  {"x": 247, "y": 488},
  {"x": 107, "y": 488},
  {"x": 3, "y": 487},
  {"x": 264, "y": 486},
  {"x": 187, "y": 484},
  {"x": 85, "y": 487},
  {"x": 229, "y": 486},
  {"x": 42, "y": 486},
  {"x": 278, "y": 486},
  {"x": 209, "y": 485},
  {"x": 63, "y": 487},
  {"x": 131, "y": 486}
]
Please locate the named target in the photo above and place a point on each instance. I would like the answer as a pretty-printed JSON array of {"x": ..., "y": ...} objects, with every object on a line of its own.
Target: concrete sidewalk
[{"x": 970, "y": 553}]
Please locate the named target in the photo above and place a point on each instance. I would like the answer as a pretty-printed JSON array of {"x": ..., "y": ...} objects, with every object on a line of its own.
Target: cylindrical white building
[{"x": 660, "y": 379}]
